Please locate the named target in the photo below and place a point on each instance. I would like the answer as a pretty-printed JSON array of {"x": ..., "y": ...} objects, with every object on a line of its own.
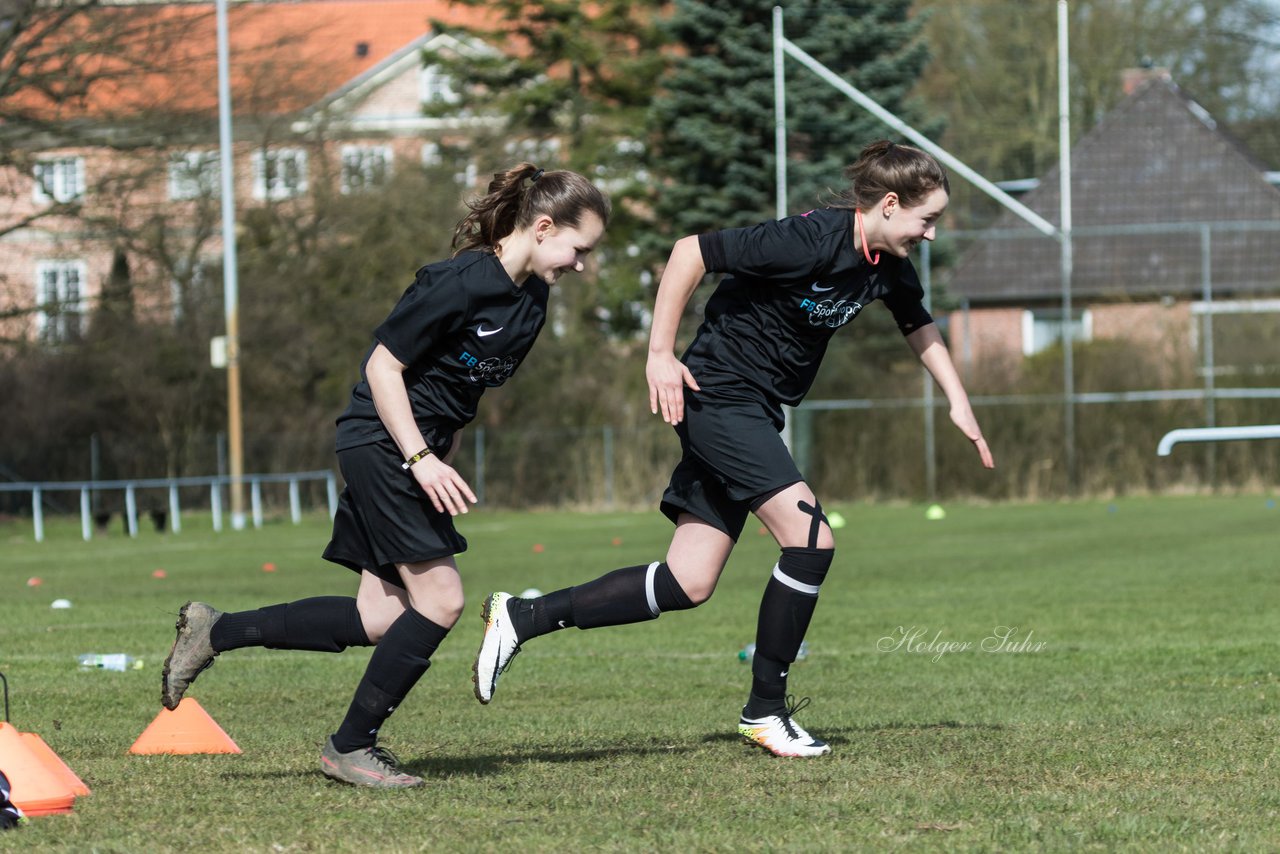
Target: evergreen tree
[{"x": 714, "y": 123}]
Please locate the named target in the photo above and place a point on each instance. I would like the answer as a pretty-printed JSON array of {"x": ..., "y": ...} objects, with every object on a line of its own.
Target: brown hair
[
  {"x": 886, "y": 167},
  {"x": 520, "y": 195}
]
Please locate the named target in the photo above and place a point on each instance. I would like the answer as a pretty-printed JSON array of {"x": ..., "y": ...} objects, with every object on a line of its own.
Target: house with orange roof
[{"x": 343, "y": 83}]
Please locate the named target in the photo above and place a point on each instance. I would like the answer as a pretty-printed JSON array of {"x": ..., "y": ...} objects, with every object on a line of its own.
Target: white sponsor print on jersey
[
  {"x": 493, "y": 371},
  {"x": 485, "y": 333},
  {"x": 831, "y": 313},
  {"x": 818, "y": 290}
]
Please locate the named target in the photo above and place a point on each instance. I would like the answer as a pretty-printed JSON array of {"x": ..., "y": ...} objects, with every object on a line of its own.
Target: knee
[
  {"x": 697, "y": 582},
  {"x": 376, "y": 620},
  {"x": 805, "y": 568},
  {"x": 699, "y": 590},
  {"x": 449, "y": 609}
]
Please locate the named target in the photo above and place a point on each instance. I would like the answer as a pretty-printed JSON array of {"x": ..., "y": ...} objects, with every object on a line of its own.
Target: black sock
[
  {"x": 627, "y": 595},
  {"x": 320, "y": 624},
  {"x": 633, "y": 594},
  {"x": 398, "y": 662},
  {"x": 786, "y": 610},
  {"x": 536, "y": 617},
  {"x": 761, "y": 706}
]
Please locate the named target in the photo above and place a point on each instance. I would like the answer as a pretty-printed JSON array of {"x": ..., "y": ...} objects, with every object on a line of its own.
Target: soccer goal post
[{"x": 783, "y": 48}]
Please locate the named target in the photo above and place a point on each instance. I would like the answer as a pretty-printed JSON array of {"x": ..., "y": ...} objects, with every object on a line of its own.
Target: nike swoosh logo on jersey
[
  {"x": 818, "y": 290},
  {"x": 485, "y": 333}
]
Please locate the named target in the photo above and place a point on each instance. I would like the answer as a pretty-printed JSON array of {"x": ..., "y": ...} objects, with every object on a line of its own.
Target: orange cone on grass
[
  {"x": 36, "y": 790},
  {"x": 186, "y": 729},
  {"x": 54, "y": 763}
]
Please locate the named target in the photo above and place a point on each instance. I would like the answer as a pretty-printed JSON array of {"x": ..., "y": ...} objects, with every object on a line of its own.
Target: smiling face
[
  {"x": 563, "y": 249},
  {"x": 902, "y": 228}
]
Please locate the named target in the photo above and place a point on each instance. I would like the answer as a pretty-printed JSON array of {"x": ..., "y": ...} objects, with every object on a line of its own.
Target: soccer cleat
[
  {"x": 373, "y": 767},
  {"x": 192, "y": 652},
  {"x": 498, "y": 647},
  {"x": 781, "y": 735}
]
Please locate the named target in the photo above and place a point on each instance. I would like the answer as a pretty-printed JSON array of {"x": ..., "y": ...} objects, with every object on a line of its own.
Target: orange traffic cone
[
  {"x": 54, "y": 763},
  {"x": 36, "y": 789},
  {"x": 187, "y": 729}
]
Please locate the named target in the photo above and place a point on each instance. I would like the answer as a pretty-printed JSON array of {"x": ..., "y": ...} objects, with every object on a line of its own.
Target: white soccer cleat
[
  {"x": 499, "y": 646},
  {"x": 781, "y": 735}
]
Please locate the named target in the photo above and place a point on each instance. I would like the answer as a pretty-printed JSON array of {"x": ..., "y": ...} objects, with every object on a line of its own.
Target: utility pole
[{"x": 230, "y": 281}]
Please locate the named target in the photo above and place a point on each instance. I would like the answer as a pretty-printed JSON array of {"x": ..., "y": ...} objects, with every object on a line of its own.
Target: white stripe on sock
[
  {"x": 648, "y": 589},
  {"x": 811, "y": 589}
]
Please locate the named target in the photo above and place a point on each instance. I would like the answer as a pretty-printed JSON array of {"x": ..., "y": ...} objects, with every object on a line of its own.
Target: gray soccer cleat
[
  {"x": 372, "y": 767},
  {"x": 192, "y": 652}
]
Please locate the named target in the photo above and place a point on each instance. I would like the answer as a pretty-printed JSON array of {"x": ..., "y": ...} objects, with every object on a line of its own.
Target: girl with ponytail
[
  {"x": 791, "y": 284},
  {"x": 464, "y": 325}
]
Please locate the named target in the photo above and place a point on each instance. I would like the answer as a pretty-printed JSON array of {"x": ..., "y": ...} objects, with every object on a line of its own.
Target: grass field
[{"x": 1137, "y": 710}]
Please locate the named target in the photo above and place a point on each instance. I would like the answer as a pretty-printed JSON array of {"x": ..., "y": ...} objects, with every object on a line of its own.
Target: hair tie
[{"x": 536, "y": 175}]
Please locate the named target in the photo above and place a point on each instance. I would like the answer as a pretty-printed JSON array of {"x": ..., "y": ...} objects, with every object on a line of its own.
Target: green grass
[{"x": 1147, "y": 721}]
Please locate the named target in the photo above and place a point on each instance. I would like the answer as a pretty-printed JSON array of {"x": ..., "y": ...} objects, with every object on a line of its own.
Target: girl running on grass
[
  {"x": 792, "y": 283},
  {"x": 464, "y": 325}
]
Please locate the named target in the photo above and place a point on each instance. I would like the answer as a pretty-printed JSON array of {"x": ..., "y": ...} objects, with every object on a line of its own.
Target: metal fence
[
  {"x": 172, "y": 488},
  {"x": 1087, "y": 424}
]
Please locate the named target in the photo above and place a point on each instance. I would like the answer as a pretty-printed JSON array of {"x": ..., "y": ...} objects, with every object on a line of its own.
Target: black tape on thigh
[{"x": 818, "y": 518}]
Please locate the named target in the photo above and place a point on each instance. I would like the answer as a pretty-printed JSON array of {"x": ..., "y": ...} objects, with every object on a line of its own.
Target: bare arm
[
  {"x": 929, "y": 347},
  {"x": 666, "y": 374},
  {"x": 444, "y": 486}
]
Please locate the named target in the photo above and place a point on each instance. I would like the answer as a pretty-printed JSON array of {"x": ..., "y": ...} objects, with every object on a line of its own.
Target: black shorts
[
  {"x": 734, "y": 457},
  {"x": 384, "y": 518}
]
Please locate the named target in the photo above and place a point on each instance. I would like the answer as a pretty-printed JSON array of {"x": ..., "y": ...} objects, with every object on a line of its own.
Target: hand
[
  {"x": 667, "y": 378},
  {"x": 963, "y": 418},
  {"x": 444, "y": 486}
]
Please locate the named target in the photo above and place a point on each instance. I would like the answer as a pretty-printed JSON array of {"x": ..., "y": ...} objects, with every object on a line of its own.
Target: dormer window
[{"x": 436, "y": 86}]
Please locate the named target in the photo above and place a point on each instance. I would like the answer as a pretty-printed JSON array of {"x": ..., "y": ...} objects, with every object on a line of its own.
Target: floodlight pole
[
  {"x": 1064, "y": 184},
  {"x": 780, "y": 161},
  {"x": 230, "y": 282}
]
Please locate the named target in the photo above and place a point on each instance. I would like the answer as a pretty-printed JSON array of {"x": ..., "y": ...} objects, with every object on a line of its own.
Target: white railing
[
  {"x": 215, "y": 484},
  {"x": 1216, "y": 434}
]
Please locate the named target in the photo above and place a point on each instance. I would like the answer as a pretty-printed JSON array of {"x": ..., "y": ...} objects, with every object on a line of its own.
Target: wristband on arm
[{"x": 421, "y": 455}]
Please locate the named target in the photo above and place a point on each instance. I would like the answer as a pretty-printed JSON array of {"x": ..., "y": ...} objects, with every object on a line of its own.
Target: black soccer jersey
[
  {"x": 793, "y": 282},
  {"x": 461, "y": 327}
]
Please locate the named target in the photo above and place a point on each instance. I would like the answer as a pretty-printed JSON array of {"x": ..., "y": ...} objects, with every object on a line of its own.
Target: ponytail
[
  {"x": 885, "y": 167},
  {"x": 520, "y": 195}
]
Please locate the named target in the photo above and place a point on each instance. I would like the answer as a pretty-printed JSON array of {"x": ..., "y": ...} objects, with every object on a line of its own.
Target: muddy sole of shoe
[
  {"x": 164, "y": 674},
  {"x": 475, "y": 665}
]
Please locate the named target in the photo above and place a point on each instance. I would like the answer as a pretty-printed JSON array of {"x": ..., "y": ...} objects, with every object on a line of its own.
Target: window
[
  {"x": 279, "y": 173},
  {"x": 60, "y": 180},
  {"x": 364, "y": 166},
  {"x": 436, "y": 156},
  {"x": 194, "y": 175},
  {"x": 1043, "y": 327},
  {"x": 188, "y": 287},
  {"x": 436, "y": 87},
  {"x": 60, "y": 301},
  {"x": 431, "y": 154},
  {"x": 1246, "y": 336},
  {"x": 543, "y": 152}
]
